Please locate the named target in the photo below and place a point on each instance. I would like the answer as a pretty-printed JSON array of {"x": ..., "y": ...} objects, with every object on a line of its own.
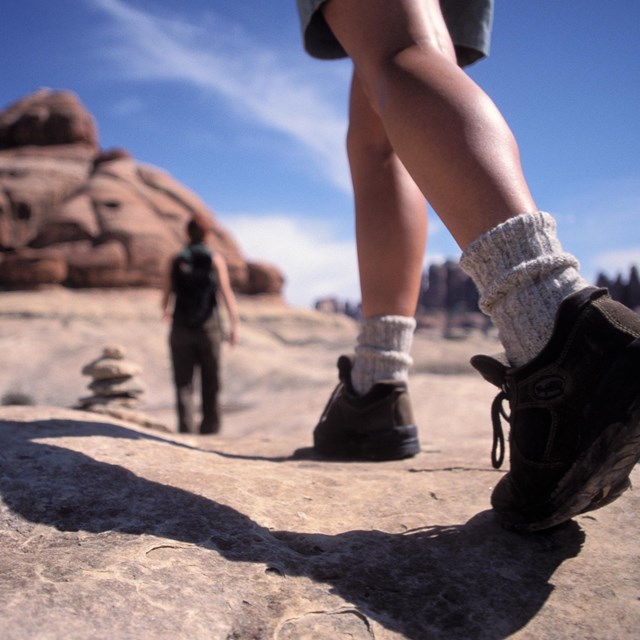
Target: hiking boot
[
  {"x": 575, "y": 415},
  {"x": 377, "y": 426}
]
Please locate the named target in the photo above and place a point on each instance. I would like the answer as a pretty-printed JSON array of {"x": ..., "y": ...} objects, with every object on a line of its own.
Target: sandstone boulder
[
  {"x": 264, "y": 278},
  {"x": 47, "y": 118},
  {"x": 30, "y": 267},
  {"x": 71, "y": 214}
]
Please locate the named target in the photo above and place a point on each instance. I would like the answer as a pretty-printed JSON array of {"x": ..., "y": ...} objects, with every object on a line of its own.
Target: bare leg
[
  {"x": 391, "y": 220},
  {"x": 461, "y": 154},
  {"x": 577, "y": 446},
  {"x": 447, "y": 131}
]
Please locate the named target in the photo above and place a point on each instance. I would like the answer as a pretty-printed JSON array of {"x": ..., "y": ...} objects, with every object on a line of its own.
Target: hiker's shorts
[{"x": 469, "y": 23}]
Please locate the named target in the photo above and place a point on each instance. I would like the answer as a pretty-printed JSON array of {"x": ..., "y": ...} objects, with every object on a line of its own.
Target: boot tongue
[{"x": 492, "y": 369}]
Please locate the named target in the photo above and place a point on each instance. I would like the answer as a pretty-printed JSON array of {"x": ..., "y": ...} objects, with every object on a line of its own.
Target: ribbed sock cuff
[
  {"x": 382, "y": 352},
  {"x": 523, "y": 275}
]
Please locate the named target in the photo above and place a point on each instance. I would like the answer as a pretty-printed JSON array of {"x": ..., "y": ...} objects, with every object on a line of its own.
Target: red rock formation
[
  {"x": 72, "y": 215},
  {"x": 47, "y": 118}
]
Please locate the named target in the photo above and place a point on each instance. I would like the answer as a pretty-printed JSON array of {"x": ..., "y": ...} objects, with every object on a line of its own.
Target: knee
[
  {"x": 425, "y": 60},
  {"x": 364, "y": 142},
  {"x": 366, "y": 136}
]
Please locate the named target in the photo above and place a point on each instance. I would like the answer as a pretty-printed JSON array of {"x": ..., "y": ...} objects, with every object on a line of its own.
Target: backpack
[{"x": 195, "y": 284}]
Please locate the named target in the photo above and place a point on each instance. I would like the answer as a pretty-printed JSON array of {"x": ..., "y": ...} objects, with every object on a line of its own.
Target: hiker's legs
[
  {"x": 575, "y": 406},
  {"x": 209, "y": 356},
  {"x": 461, "y": 153},
  {"x": 391, "y": 225},
  {"x": 183, "y": 361},
  {"x": 362, "y": 422},
  {"x": 418, "y": 127},
  {"x": 447, "y": 131},
  {"x": 391, "y": 220}
]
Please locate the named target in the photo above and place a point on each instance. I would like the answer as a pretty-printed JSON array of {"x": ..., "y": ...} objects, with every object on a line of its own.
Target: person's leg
[
  {"x": 575, "y": 405},
  {"x": 391, "y": 221},
  {"x": 370, "y": 416},
  {"x": 462, "y": 155},
  {"x": 391, "y": 215},
  {"x": 209, "y": 357},
  {"x": 391, "y": 233},
  {"x": 183, "y": 362},
  {"x": 446, "y": 130}
]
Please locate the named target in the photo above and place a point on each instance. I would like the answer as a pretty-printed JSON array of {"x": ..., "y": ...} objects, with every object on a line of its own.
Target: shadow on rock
[{"x": 472, "y": 580}]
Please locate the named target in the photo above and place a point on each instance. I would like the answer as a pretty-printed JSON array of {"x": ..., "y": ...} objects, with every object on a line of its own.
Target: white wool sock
[
  {"x": 382, "y": 352},
  {"x": 522, "y": 275}
]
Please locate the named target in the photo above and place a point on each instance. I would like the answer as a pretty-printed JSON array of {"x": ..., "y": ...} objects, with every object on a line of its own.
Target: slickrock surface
[{"x": 112, "y": 530}]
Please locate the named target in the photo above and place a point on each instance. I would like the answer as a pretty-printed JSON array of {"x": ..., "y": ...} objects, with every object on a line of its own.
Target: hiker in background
[
  {"x": 196, "y": 279},
  {"x": 419, "y": 127}
]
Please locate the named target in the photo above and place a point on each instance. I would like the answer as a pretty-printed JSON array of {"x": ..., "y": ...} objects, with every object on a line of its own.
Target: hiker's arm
[
  {"x": 228, "y": 296},
  {"x": 166, "y": 294}
]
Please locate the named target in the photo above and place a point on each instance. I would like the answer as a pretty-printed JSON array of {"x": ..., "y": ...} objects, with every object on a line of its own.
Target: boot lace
[{"x": 498, "y": 413}]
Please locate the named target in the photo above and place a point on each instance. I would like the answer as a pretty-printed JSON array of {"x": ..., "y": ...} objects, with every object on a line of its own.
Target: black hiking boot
[
  {"x": 575, "y": 415},
  {"x": 375, "y": 427}
]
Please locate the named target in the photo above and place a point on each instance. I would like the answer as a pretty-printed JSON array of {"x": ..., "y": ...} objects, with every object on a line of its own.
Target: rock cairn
[{"x": 115, "y": 382}]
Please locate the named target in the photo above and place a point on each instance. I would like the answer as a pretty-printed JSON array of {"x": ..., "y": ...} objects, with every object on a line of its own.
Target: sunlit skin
[{"x": 412, "y": 106}]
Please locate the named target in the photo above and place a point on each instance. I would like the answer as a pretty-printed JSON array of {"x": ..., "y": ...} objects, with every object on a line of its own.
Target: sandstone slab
[
  {"x": 109, "y": 530},
  {"x": 113, "y": 530}
]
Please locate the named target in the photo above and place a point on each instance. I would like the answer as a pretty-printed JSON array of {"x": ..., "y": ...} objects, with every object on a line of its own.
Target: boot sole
[
  {"x": 604, "y": 485},
  {"x": 396, "y": 443},
  {"x": 601, "y": 475}
]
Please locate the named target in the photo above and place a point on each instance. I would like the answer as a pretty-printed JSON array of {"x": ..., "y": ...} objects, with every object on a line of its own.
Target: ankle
[{"x": 382, "y": 352}]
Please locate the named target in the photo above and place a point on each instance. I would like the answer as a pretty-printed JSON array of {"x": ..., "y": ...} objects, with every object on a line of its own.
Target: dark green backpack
[{"x": 195, "y": 284}]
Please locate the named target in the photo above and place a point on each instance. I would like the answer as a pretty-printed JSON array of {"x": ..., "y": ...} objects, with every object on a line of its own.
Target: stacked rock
[{"x": 115, "y": 381}]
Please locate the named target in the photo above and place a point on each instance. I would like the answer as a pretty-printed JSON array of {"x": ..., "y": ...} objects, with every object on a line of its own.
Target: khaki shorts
[{"x": 469, "y": 23}]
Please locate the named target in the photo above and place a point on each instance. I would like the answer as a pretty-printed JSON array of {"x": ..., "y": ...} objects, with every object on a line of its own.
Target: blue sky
[{"x": 220, "y": 94}]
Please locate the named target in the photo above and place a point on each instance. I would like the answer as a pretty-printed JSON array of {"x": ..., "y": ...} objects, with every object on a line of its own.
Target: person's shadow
[{"x": 471, "y": 580}]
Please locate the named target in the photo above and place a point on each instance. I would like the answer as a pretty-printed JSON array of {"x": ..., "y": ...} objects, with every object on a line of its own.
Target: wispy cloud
[
  {"x": 255, "y": 83},
  {"x": 315, "y": 262},
  {"x": 128, "y": 107}
]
